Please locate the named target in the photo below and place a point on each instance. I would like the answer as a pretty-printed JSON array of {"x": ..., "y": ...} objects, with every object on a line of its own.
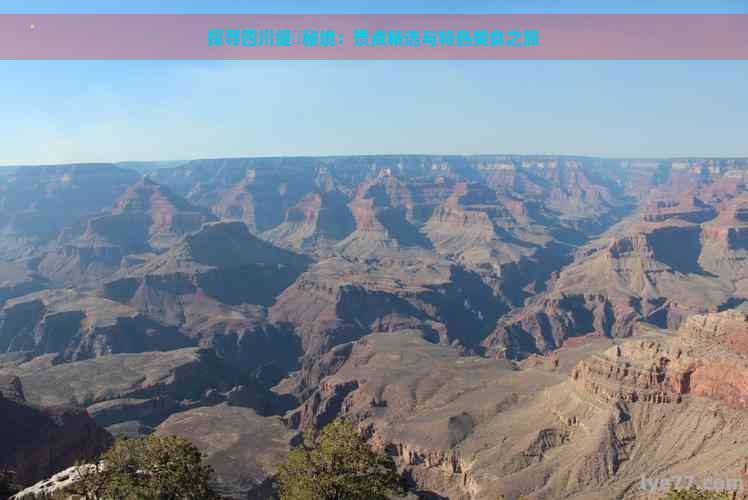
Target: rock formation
[
  {"x": 546, "y": 326},
  {"x": 72, "y": 325},
  {"x": 586, "y": 425},
  {"x": 147, "y": 218},
  {"x": 39, "y": 441}
]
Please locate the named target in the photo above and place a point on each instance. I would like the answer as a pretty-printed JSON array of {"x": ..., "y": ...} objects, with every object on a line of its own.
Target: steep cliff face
[
  {"x": 38, "y": 441},
  {"x": 38, "y": 202},
  {"x": 586, "y": 424},
  {"x": 318, "y": 220},
  {"x": 73, "y": 326},
  {"x": 168, "y": 216},
  {"x": 132, "y": 393},
  {"x": 420, "y": 403},
  {"x": 389, "y": 212},
  {"x": 223, "y": 263},
  {"x": 214, "y": 287},
  {"x": 260, "y": 198},
  {"x": 707, "y": 358},
  {"x": 586, "y": 194},
  {"x": 726, "y": 243},
  {"x": 146, "y": 218},
  {"x": 473, "y": 216},
  {"x": 334, "y": 302},
  {"x": 689, "y": 209},
  {"x": 685, "y": 391},
  {"x": 513, "y": 242},
  {"x": 660, "y": 273},
  {"x": 331, "y": 304}
]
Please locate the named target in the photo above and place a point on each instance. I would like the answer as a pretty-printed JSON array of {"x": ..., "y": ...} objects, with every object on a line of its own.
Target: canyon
[{"x": 540, "y": 326}]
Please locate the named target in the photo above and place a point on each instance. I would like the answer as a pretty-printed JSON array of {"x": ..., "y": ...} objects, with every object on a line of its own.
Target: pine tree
[{"x": 337, "y": 464}]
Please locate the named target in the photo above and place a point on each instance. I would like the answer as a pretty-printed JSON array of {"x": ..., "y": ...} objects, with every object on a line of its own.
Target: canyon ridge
[{"x": 544, "y": 327}]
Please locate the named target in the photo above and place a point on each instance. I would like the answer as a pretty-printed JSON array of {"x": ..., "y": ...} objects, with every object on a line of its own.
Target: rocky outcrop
[
  {"x": 548, "y": 325},
  {"x": 257, "y": 193},
  {"x": 390, "y": 211},
  {"x": 707, "y": 358},
  {"x": 322, "y": 407},
  {"x": 586, "y": 425},
  {"x": 57, "y": 485},
  {"x": 148, "y": 217},
  {"x": 302, "y": 383},
  {"x": 413, "y": 400},
  {"x": 317, "y": 221},
  {"x": 729, "y": 232},
  {"x": 614, "y": 380},
  {"x": 74, "y": 326},
  {"x": 689, "y": 209},
  {"x": 39, "y": 441},
  {"x": 333, "y": 303},
  {"x": 224, "y": 261},
  {"x": 214, "y": 286},
  {"x": 131, "y": 393},
  {"x": 38, "y": 202},
  {"x": 654, "y": 273},
  {"x": 169, "y": 216}
]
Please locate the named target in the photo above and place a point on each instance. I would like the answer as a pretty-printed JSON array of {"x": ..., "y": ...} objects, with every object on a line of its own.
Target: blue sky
[{"x": 68, "y": 111}]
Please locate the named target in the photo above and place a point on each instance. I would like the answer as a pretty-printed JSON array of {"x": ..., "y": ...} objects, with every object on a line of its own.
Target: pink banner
[{"x": 367, "y": 37}]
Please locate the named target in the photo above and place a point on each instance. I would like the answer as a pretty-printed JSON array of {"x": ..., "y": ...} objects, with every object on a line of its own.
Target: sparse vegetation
[
  {"x": 337, "y": 464},
  {"x": 696, "y": 494},
  {"x": 148, "y": 468}
]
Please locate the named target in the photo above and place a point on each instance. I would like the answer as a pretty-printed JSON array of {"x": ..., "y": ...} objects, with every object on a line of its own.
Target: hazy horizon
[{"x": 173, "y": 162}]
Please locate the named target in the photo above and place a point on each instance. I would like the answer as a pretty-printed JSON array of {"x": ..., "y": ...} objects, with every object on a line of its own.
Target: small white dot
[{"x": 33, "y": 26}]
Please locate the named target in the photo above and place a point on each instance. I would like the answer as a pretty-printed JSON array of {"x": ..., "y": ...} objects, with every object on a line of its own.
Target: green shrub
[
  {"x": 149, "y": 468},
  {"x": 337, "y": 464}
]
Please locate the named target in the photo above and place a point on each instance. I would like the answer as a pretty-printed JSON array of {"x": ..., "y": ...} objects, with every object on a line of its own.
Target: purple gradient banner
[{"x": 341, "y": 37}]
